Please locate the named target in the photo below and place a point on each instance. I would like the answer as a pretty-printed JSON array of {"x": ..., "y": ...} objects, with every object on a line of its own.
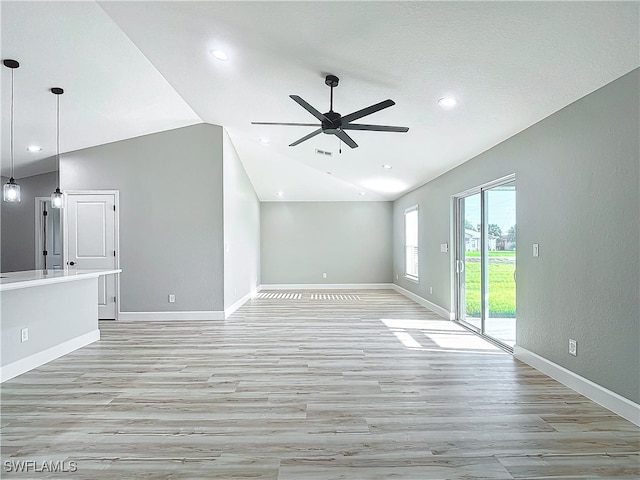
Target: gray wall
[
  {"x": 241, "y": 228},
  {"x": 171, "y": 239},
  {"x": 350, "y": 241},
  {"x": 18, "y": 222},
  {"x": 577, "y": 176}
]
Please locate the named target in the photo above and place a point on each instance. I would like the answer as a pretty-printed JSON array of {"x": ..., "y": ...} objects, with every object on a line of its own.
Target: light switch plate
[
  {"x": 444, "y": 247},
  {"x": 536, "y": 250}
]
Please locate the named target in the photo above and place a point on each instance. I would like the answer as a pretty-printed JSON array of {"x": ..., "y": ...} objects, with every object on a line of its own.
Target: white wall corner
[
  {"x": 26, "y": 364},
  {"x": 443, "y": 312},
  {"x": 230, "y": 310},
  {"x": 168, "y": 316},
  {"x": 610, "y": 400}
]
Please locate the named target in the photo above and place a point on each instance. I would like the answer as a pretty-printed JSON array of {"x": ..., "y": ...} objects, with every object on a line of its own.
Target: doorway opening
[{"x": 48, "y": 235}]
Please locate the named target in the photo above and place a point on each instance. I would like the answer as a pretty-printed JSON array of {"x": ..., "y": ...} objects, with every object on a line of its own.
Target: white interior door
[{"x": 91, "y": 242}]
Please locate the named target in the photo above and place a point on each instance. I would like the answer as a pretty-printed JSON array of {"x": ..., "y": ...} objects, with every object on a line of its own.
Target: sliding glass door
[
  {"x": 486, "y": 260},
  {"x": 500, "y": 219},
  {"x": 468, "y": 262}
]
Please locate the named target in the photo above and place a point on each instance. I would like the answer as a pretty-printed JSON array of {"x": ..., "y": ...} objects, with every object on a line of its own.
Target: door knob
[{"x": 72, "y": 263}]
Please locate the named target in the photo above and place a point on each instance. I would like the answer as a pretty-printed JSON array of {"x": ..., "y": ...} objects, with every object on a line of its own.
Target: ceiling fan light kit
[
  {"x": 332, "y": 123},
  {"x": 11, "y": 190}
]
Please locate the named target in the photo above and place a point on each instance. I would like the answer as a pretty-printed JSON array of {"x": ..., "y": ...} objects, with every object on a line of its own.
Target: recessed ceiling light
[
  {"x": 447, "y": 102},
  {"x": 388, "y": 167},
  {"x": 34, "y": 148},
  {"x": 264, "y": 141},
  {"x": 219, "y": 54},
  {"x": 280, "y": 194},
  {"x": 362, "y": 194}
]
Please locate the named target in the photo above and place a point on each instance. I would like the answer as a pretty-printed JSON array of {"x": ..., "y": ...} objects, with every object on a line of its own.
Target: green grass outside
[
  {"x": 502, "y": 289},
  {"x": 493, "y": 253}
]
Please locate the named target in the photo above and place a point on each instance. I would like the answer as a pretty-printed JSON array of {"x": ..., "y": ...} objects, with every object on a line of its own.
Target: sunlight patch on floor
[{"x": 444, "y": 335}]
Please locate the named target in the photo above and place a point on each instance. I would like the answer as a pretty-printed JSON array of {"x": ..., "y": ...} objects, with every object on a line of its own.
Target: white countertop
[{"x": 34, "y": 278}]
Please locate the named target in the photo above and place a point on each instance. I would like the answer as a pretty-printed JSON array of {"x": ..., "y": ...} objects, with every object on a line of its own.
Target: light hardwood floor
[{"x": 368, "y": 387}]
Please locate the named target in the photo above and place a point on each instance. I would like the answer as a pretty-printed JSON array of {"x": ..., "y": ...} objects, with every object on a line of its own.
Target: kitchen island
[{"x": 45, "y": 314}]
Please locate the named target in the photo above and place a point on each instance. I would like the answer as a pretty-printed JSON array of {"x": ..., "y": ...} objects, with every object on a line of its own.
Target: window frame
[{"x": 407, "y": 275}]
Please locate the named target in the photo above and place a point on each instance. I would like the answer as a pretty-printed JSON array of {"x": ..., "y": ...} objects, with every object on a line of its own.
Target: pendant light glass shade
[
  {"x": 56, "y": 199},
  {"x": 11, "y": 190},
  {"x": 56, "y": 196}
]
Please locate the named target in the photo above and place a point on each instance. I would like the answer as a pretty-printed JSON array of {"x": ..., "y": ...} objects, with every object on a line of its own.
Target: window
[{"x": 411, "y": 242}]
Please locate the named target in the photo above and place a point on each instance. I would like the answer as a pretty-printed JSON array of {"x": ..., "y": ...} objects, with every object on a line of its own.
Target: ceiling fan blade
[
  {"x": 346, "y": 138},
  {"x": 309, "y": 108},
  {"x": 306, "y": 137},
  {"x": 375, "y": 128},
  {"x": 287, "y": 124},
  {"x": 367, "y": 111}
]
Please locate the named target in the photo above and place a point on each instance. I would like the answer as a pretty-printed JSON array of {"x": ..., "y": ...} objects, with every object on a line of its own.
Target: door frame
[
  {"x": 38, "y": 239},
  {"x": 484, "y": 308},
  {"x": 116, "y": 232}
]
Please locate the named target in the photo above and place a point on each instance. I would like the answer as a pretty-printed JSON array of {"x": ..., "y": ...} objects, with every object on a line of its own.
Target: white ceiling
[{"x": 132, "y": 68}]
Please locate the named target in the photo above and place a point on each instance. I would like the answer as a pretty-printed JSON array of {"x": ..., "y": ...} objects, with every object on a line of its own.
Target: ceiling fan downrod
[{"x": 331, "y": 81}]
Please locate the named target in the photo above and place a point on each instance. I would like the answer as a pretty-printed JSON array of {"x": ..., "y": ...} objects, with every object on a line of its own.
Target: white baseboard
[
  {"x": 26, "y": 364},
  {"x": 443, "y": 312},
  {"x": 326, "y": 286},
  {"x": 602, "y": 396},
  {"x": 200, "y": 315},
  {"x": 229, "y": 311}
]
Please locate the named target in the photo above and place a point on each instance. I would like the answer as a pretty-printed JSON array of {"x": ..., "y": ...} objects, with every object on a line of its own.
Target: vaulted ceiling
[{"x": 133, "y": 68}]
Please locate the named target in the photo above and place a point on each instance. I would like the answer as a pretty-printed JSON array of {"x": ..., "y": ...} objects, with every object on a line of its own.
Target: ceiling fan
[{"x": 334, "y": 123}]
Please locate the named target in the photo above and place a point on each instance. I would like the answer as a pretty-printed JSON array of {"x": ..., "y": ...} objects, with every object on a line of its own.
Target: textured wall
[
  {"x": 577, "y": 176},
  {"x": 350, "y": 241},
  {"x": 171, "y": 239}
]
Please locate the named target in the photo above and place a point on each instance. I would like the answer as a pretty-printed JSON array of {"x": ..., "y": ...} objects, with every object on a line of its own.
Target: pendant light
[
  {"x": 11, "y": 190},
  {"x": 56, "y": 196}
]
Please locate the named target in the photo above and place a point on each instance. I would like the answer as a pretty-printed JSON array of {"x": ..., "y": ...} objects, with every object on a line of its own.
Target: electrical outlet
[
  {"x": 573, "y": 347},
  {"x": 324, "y": 275},
  {"x": 444, "y": 247},
  {"x": 431, "y": 290},
  {"x": 24, "y": 334},
  {"x": 172, "y": 298},
  {"x": 396, "y": 276}
]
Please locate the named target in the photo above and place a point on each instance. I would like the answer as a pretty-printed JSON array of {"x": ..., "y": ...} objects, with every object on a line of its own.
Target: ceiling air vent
[{"x": 323, "y": 152}]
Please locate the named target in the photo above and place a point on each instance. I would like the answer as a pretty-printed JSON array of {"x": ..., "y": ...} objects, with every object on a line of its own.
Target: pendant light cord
[
  {"x": 58, "y": 140},
  {"x": 11, "y": 143}
]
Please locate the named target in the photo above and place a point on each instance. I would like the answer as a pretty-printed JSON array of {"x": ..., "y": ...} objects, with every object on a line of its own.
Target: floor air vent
[
  {"x": 334, "y": 296},
  {"x": 280, "y": 296}
]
